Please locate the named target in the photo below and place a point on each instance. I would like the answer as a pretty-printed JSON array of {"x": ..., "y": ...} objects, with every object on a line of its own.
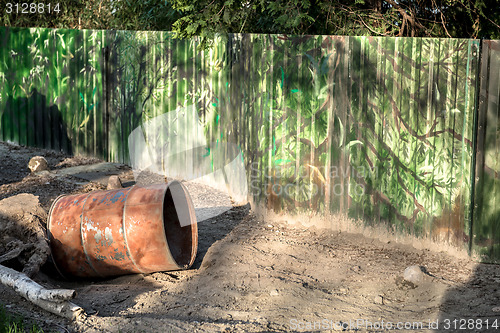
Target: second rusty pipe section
[{"x": 132, "y": 230}]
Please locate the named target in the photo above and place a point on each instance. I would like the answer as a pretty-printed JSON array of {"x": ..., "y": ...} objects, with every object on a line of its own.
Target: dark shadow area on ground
[
  {"x": 9, "y": 168},
  {"x": 473, "y": 306},
  {"x": 103, "y": 297},
  {"x": 14, "y": 161},
  {"x": 216, "y": 228}
]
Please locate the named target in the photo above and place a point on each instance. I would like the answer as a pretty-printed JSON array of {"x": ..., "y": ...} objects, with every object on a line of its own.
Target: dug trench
[{"x": 254, "y": 275}]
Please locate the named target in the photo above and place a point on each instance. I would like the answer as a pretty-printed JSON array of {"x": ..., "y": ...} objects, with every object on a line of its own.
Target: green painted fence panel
[
  {"x": 52, "y": 93},
  {"x": 486, "y": 222}
]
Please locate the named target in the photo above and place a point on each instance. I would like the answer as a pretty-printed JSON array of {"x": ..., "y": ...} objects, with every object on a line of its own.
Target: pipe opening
[{"x": 178, "y": 222}]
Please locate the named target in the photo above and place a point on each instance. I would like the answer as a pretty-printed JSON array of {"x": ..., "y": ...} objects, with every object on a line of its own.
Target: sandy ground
[{"x": 252, "y": 275}]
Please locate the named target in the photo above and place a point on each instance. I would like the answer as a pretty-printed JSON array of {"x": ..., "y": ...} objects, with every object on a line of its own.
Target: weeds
[{"x": 15, "y": 323}]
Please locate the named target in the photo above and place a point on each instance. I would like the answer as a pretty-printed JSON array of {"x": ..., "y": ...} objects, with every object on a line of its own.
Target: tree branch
[
  {"x": 410, "y": 18},
  {"x": 383, "y": 198},
  {"x": 412, "y": 195},
  {"x": 395, "y": 158},
  {"x": 53, "y": 300}
]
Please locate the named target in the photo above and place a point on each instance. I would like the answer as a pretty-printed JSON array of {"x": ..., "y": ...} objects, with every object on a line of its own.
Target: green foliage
[
  {"x": 206, "y": 19},
  {"x": 456, "y": 18},
  {"x": 15, "y": 324},
  {"x": 97, "y": 14},
  {"x": 143, "y": 15},
  {"x": 73, "y": 14}
]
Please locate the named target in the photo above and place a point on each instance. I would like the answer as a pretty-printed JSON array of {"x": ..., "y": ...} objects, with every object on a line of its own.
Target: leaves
[
  {"x": 352, "y": 143},
  {"x": 85, "y": 121}
]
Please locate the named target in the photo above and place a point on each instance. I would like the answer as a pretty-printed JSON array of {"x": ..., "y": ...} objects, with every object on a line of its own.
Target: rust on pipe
[{"x": 131, "y": 230}]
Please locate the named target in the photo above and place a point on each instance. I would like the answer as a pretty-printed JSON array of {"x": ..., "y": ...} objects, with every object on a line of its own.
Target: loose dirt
[
  {"x": 23, "y": 240},
  {"x": 252, "y": 275}
]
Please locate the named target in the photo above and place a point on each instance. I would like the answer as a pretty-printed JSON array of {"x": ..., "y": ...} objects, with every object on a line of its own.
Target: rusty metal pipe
[{"x": 131, "y": 230}]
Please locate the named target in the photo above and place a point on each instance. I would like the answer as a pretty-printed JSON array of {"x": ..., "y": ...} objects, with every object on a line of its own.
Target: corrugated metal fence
[
  {"x": 486, "y": 217},
  {"x": 383, "y": 129}
]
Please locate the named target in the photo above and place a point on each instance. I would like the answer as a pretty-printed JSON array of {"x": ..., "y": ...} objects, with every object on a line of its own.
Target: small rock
[
  {"x": 378, "y": 300},
  {"x": 114, "y": 183},
  {"x": 414, "y": 274},
  {"x": 37, "y": 164},
  {"x": 274, "y": 292},
  {"x": 403, "y": 284},
  {"x": 496, "y": 309}
]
